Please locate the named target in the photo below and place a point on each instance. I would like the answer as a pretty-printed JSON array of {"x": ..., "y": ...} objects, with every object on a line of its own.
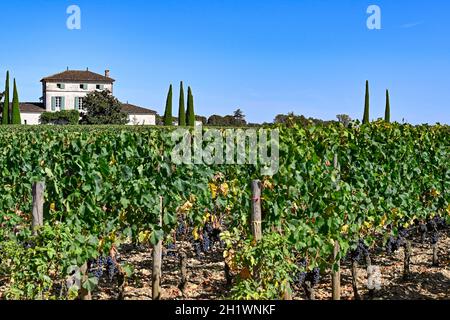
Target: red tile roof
[
  {"x": 78, "y": 75},
  {"x": 132, "y": 109},
  {"x": 29, "y": 107},
  {"x": 32, "y": 107}
]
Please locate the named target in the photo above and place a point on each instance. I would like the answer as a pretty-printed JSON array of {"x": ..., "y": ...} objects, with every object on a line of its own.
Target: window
[
  {"x": 58, "y": 102},
  {"x": 100, "y": 87},
  {"x": 61, "y": 86},
  {"x": 83, "y": 86},
  {"x": 78, "y": 103}
]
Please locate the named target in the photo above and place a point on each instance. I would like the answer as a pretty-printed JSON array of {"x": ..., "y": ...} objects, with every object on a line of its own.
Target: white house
[{"x": 66, "y": 91}]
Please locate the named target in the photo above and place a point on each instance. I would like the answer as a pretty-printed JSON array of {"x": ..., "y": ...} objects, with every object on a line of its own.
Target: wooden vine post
[
  {"x": 157, "y": 257},
  {"x": 38, "y": 206},
  {"x": 355, "y": 280},
  {"x": 435, "y": 254},
  {"x": 84, "y": 294},
  {"x": 256, "y": 223},
  {"x": 336, "y": 272},
  {"x": 183, "y": 269},
  {"x": 407, "y": 261}
]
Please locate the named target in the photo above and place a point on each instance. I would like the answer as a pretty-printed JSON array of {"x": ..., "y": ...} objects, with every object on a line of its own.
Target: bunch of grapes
[
  {"x": 360, "y": 252},
  {"x": 198, "y": 248},
  {"x": 423, "y": 228},
  {"x": 181, "y": 229},
  {"x": 210, "y": 235},
  {"x": 29, "y": 244},
  {"x": 206, "y": 242},
  {"x": 111, "y": 267},
  {"x": 95, "y": 267},
  {"x": 300, "y": 277},
  {"x": 434, "y": 239},
  {"x": 171, "y": 250},
  {"x": 439, "y": 223},
  {"x": 403, "y": 233},
  {"x": 393, "y": 244},
  {"x": 313, "y": 277}
]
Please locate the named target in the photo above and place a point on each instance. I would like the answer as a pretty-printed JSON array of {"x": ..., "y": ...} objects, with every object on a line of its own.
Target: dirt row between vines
[{"x": 207, "y": 278}]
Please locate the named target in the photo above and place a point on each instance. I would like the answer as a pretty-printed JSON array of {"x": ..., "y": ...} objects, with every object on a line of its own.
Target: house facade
[{"x": 67, "y": 90}]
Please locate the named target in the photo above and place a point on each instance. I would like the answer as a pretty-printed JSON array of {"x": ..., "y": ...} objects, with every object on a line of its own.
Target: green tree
[
  {"x": 366, "y": 118},
  {"x": 5, "y": 114},
  {"x": 344, "y": 119},
  {"x": 239, "y": 118},
  {"x": 181, "y": 107},
  {"x": 215, "y": 120},
  {"x": 387, "y": 113},
  {"x": 190, "y": 115},
  {"x": 15, "y": 118},
  {"x": 103, "y": 108},
  {"x": 168, "y": 119}
]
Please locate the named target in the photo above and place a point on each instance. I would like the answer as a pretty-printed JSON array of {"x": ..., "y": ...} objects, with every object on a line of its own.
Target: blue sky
[{"x": 266, "y": 57}]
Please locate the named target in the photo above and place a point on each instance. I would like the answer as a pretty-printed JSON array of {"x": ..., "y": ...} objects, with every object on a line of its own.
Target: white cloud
[{"x": 412, "y": 25}]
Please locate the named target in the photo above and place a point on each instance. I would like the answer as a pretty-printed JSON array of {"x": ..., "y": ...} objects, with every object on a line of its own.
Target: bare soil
[{"x": 206, "y": 277}]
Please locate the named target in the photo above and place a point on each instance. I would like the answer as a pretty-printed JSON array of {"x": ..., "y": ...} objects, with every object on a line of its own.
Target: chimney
[{"x": 107, "y": 73}]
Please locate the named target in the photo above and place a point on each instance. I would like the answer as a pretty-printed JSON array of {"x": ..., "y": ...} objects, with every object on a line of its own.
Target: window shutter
[
  {"x": 77, "y": 103},
  {"x": 63, "y": 86},
  {"x": 53, "y": 103},
  {"x": 85, "y": 86},
  {"x": 63, "y": 103},
  {"x": 102, "y": 87}
]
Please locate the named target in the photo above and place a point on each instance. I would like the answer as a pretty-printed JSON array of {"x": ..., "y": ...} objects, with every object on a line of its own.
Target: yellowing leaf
[
  {"x": 383, "y": 221},
  {"x": 101, "y": 243},
  {"x": 224, "y": 188},
  {"x": 144, "y": 236},
  {"x": 186, "y": 206},
  {"x": 213, "y": 189},
  {"x": 195, "y": 233}
]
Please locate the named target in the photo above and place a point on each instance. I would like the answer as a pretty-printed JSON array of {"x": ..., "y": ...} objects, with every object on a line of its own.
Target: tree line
[
  {"x": 103, "y": 108},
  {"x": 237, "y": 119}
]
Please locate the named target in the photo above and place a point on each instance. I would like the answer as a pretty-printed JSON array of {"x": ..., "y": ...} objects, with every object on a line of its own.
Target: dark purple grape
[
  {"x": 206, "y": 242},
  {"x": 198, "y": 248},
  {"x": 313, "y": 277},
  {"x": 434, "y": 239},
  {"x": 111, "y": 267}
]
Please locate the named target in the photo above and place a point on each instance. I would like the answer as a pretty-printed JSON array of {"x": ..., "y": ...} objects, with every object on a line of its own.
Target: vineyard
[{"x": 343, "y": 199}]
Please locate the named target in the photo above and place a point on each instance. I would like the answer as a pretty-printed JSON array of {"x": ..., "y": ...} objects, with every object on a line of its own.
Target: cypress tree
[
  {"x": 190, "y": 115},
  {"x": 366, "y": 118},
  {"x": 168, "y": 119},
  {"x": 181, "y": 107},
  {"x": 5, "y": 114},
  {"x": 15, "y": 106},
  {"x": 387, "y": 113}
]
